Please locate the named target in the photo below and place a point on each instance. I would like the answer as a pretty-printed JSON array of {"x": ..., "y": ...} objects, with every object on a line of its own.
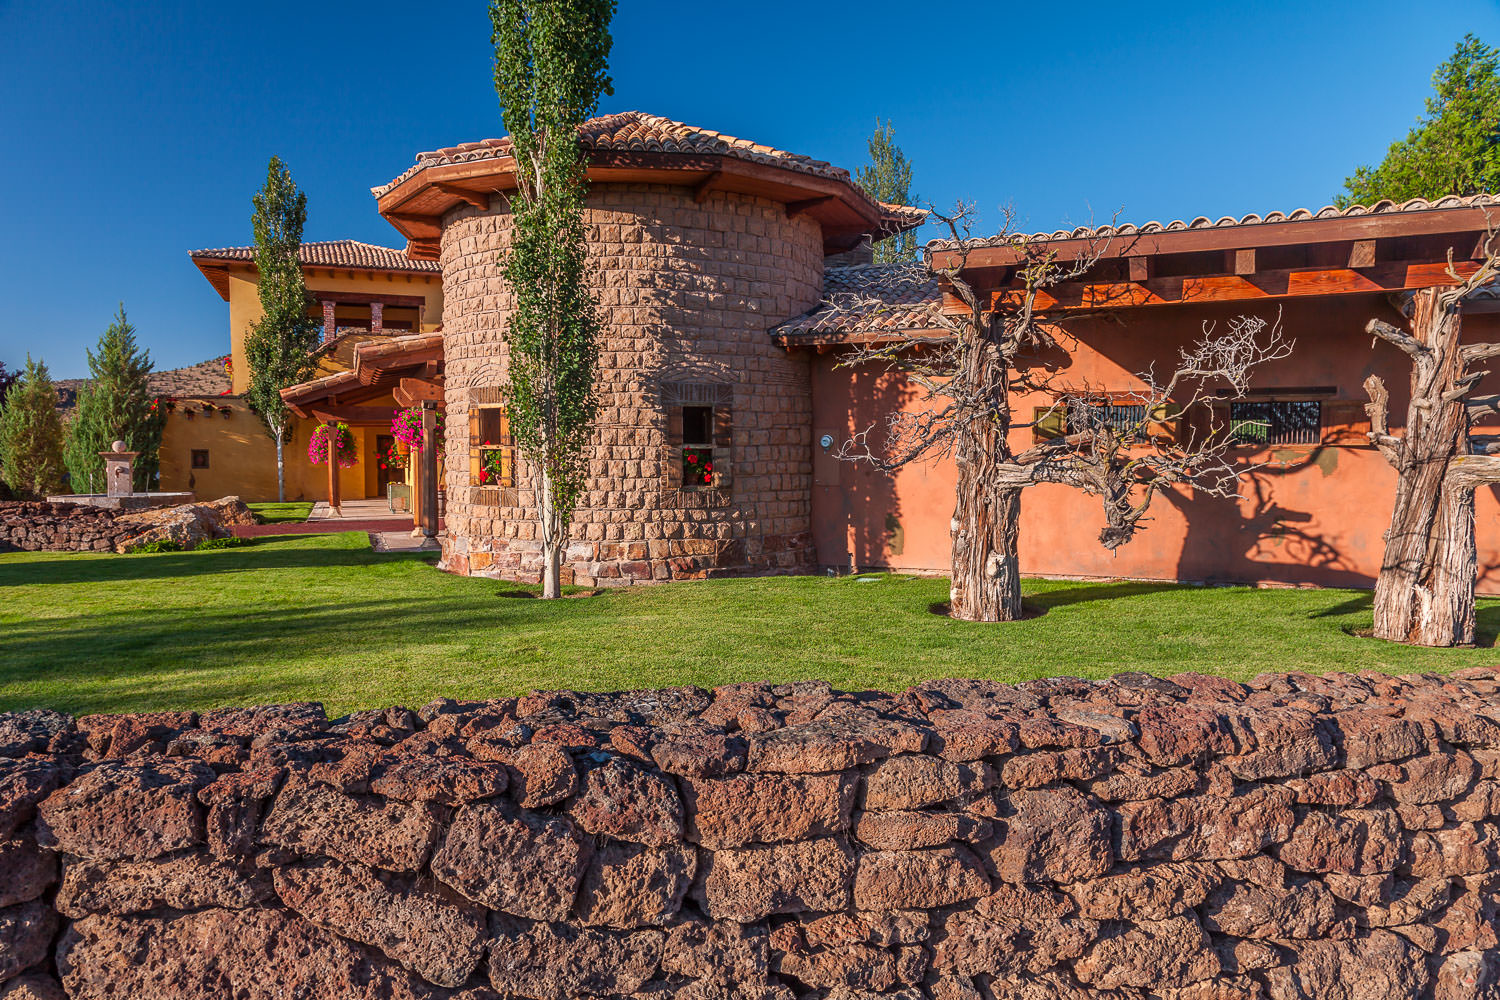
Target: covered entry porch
[{"x": 385, "y": 378}]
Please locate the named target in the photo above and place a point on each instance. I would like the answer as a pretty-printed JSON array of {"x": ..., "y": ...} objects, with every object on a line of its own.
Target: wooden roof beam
[
  {"x": 796, "y": 208},
  {"x": 479, "y": 199},
  {"x": 411, "y": 391},
  {"x": 1395, "y": 276},
  {"x": 707, "y": 186}
]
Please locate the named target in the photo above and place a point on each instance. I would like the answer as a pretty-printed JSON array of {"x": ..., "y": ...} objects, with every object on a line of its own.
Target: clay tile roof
[
  {"x": 867, "y": 300},
  {"x": 640, "y": 132},
  {"x": 1202, "y": 222},
  {"x": 333, "y": 253}
]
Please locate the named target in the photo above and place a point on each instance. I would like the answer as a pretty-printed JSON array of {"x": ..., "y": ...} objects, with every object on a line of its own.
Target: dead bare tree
[
  {"x": 1425, "y": 591},
  {"x": 974, "y": 359}
]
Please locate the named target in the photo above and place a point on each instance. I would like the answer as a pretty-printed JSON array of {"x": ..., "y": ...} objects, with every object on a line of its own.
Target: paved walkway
[{"x": 372, "y": 515}]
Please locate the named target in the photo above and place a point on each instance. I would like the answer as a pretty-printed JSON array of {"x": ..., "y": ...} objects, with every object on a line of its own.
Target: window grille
[
  {"x": 1094, "y": 414},
  {"x": 1276, "y": 421}
]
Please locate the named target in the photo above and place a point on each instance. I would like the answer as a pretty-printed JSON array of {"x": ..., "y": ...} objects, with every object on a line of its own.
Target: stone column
[
  {"x": 330, "y": 325},
  {"x": 119, "y": 470},
  {"x": 377, "y": 317}
]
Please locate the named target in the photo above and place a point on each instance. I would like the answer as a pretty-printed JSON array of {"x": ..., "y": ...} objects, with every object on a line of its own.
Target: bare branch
[
  {"x": 1396, "y": 336},
  {"x": 1473, "y": 353}
]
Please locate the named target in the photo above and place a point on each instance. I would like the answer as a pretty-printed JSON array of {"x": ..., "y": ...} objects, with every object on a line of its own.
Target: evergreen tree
[
  {"x": 551, "y": 61},
  {"x": 1455, "y": 148},
  {"x": 888, "y": 179},
  {"x": 31, "y": 435},
  {"x": 7, "y": 379},
  {"x": 278, "y": 347},
  {"x": 115, "y": 404}
]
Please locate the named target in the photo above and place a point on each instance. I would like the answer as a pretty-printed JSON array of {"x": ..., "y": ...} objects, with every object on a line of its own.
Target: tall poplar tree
[
  {"x": 115, "y": 404},
  {"x": 551, "y": 61},
  {"x": 1455, "y": 148},
  {"x": 278, "y": 347},
  {"x": 31, "y": 434},
  {"x": 888, "y": 179}
]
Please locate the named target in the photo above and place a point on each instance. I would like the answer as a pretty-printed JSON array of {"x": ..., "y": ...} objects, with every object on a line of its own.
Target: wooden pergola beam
[
  {"x": 351, "y": 414},
  {"x": 411, "y": 391}
]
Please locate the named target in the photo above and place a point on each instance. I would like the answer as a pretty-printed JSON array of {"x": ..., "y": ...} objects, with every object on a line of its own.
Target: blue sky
[{"x": 133, "y": 132}]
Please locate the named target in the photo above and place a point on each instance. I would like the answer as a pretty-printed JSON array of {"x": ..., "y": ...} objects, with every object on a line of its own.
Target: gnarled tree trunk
[
  {"x": 1425, "y": 591},
  {"x": 986, "y": 583}
]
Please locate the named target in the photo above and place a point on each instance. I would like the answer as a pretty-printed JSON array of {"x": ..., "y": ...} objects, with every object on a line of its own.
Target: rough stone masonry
[{"x": 1185, "y": 839}]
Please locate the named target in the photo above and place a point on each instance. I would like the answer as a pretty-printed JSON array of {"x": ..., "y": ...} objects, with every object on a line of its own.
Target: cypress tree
[
  {"x": 888, "y": 179},
  {"x": 1454, "y": 148},
  {"x": 31, "y": 433},
  {"x": 551, "y": 58},
  {"x": 278, "y": 348},
  {"x": 115, "y": 404}
]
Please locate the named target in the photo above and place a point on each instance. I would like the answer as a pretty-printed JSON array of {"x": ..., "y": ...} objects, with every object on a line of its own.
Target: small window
[
  {"x": 1095, "y": 413},
  {"x": 697, "y": 446},
  {"x": 200, "y": 458},
  {"x": 1276, "y": 421},
  {"x": 496, "y": 448}
]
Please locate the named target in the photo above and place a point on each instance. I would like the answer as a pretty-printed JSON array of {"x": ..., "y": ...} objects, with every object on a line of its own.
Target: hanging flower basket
[
  {"x": 317, "y": 446},
  {"x": 393, "y": 458},
  {"x": 406, "y": 427}
]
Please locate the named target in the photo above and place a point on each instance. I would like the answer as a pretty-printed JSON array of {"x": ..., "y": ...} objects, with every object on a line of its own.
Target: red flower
[
  {"x": 484, "y": 475},
  {"x": 693, "y": 459},
  {"x": 708, "y": 468},
  {"x": 708, "y": 479}
]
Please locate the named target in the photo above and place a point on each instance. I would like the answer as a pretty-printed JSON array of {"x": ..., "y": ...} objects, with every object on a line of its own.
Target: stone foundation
[{"x": 1185, "y": 839}]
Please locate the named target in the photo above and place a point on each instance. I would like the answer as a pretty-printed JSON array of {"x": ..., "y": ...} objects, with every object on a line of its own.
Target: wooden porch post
[
  {"x": 428, "y": 476},
  {"x": 333, "y": 469}
]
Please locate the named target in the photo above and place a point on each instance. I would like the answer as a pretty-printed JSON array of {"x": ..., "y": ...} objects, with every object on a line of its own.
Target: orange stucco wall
[
  {"x": 242, "y": 457},
  {"x": 1312, "y": 515}
]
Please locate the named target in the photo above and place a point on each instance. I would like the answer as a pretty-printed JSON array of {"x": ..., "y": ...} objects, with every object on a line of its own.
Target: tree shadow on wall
[
  {"x": 871, "y": 508},
  {"x": 1229, "y": 534}
]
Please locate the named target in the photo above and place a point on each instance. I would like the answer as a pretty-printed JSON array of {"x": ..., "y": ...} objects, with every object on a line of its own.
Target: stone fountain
[{"x": 119, "y": 478}]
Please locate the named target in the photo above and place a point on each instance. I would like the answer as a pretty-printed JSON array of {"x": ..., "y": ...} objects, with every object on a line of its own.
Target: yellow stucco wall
[
  {"x": 244, "y": 303},
  {"x": 242, "y": 457}
]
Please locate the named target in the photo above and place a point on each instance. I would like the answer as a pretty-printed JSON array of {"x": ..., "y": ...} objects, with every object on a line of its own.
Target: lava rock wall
[{"x": 1186, "y": 839}]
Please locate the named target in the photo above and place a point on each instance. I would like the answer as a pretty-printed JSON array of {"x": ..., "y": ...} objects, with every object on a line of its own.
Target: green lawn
[
  {"x": 294, "y": 512},
  {"x": 321, "y": 617}
]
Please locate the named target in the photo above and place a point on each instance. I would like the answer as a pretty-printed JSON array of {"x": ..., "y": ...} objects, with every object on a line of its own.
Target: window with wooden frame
[
  {"x": 1078, "y": 413},
  {"x": 492, "y": 448},
  {"x": 699, "y": 446},
  {"x": 492, "y": 451}
]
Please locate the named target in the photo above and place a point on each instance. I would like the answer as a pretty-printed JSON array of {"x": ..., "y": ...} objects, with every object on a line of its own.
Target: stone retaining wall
[
  {"x": 72, "y": 527},
  {"x": 1183, "y": 839},
  {"x": 57, "y": 527}
]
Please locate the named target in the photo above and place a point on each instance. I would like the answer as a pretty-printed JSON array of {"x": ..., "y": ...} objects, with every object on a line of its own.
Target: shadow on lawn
[
  {"x": 226, "y": 651},
  {"x": 69, "y": 568},
  {"x": 1486, "y": 614},
  {"x": 1049, "y": 599}
]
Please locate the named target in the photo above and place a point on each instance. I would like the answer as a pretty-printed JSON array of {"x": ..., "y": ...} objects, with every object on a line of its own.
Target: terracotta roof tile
[
  {"x": 634, "y": 131},
  {"x": 867, "y": 299},
  {"x": 1203, "y": 222},
  {"x": 334, "y": 253}
]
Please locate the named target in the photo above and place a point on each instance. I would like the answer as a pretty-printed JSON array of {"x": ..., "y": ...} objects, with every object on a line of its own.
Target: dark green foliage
[
  {"x": 888, "y": 179},
  {"x": 207, "y": 545},
  {"x": 115, "y": 404},
  {"x": 1454, "y": 148},
  {"x": 278, "y": 347},
  {"x": 7, "y": 379},
  {"x": 31, "y": 435},
  {"x": 550, "y": 69}
]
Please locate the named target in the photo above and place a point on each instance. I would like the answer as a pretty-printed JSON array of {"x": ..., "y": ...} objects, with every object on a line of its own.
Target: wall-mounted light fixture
[{"x": 826, "y": 441}]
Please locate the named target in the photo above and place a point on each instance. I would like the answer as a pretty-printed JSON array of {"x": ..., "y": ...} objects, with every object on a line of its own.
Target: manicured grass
[
  {"x": 321, "y": 617},
  {"x": 282, "y": 513}
]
